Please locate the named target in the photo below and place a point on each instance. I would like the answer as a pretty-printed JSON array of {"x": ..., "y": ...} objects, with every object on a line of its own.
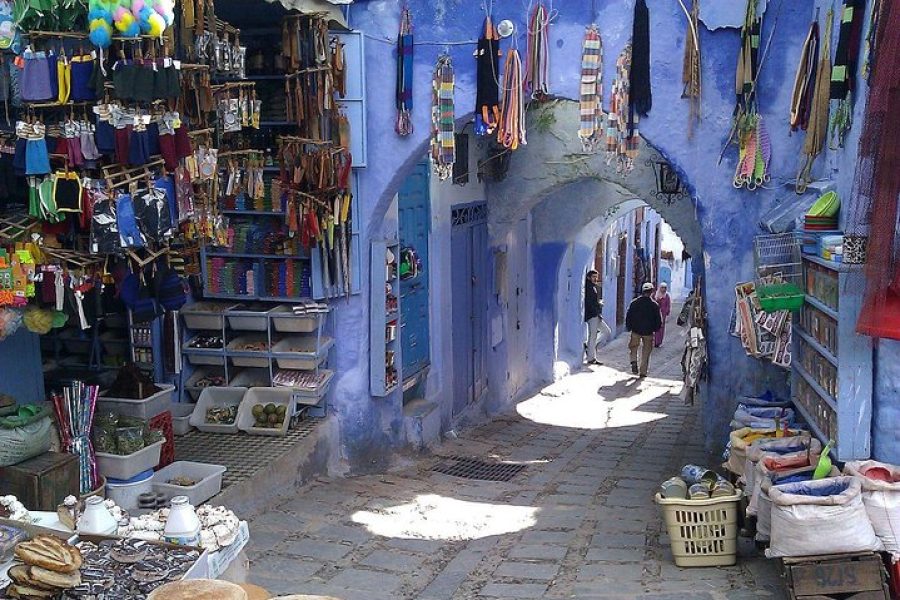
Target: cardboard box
[{"x": 42, "y": 482}]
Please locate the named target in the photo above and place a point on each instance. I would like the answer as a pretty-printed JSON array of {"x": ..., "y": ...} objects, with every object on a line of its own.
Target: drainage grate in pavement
[{"x": 472, "y": 468}]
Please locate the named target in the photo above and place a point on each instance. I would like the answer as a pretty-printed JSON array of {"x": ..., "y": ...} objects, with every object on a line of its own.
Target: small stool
[{"x": 163, "y": 422}]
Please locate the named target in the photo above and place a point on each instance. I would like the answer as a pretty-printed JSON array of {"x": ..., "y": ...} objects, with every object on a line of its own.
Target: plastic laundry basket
[{"x": 703, "y": 532}]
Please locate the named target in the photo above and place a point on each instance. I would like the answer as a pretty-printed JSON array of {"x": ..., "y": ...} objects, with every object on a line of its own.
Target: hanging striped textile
[
  {"x": 805, "y": 80},
  {"x": 405, "y": 75},
  {"x": 622, "y": 134},
  {"x": 843, "y": 73},
  {"x": 691, "y": 75},
  {"x": 511, "y": 130},
  {"x": 591, "y": 131},
  {"x": 443, "y": 116},
  {"x": 487, "y": 90},
  {"x": 537, "y": 60},
  {"x": 818, "y": 118}
]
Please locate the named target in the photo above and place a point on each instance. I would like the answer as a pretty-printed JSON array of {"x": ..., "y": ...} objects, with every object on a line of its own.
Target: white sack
[
  {"x": 764, "y": 502},
  {"x": 811, "y": 525},
  {"x": 737, "y": 447},
  {"x": 882, "y": 502},
  {"x": 764, "y": 447}
]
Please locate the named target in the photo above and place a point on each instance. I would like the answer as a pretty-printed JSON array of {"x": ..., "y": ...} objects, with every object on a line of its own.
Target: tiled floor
[{"x": 578, "y": 522}]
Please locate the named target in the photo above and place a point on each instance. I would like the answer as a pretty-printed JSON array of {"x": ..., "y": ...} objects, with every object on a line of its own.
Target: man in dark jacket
[
  {"x": 593, "y": 315},
  {"x": 643, "y": 320}
]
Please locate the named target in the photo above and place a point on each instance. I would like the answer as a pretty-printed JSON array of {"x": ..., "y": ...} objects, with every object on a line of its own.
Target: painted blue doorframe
[
  {"x": 471, "y": 280},
  {"x": 414, "y": 207}
]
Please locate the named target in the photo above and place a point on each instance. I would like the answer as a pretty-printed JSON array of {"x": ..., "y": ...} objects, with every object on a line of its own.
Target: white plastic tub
[
  {"x": 264, "y": 395},
  {"x": 181, "y": 417},
  {"x": 208, "y": 478},
  {"x": 249, "y": 317},
  {"x": 249, "y": 358},
  {"x": 284, "y": 320},
  {"x": 145, "y": 409},
  {"x": 249, "y": 378},
  {"x": 300, "y": 352},
  {"x": 191, "y": 386},
  {"x": 126, "y": 494},
  {"x": 117, "y": 466},
  {"x": 213, "y": 360},
  {"x": 208, "y": 316},
  {"x": 219, "y": 396}
]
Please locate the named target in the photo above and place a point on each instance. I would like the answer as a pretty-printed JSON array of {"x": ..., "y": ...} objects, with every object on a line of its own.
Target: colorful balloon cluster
[{"x": 128, "y": 18}]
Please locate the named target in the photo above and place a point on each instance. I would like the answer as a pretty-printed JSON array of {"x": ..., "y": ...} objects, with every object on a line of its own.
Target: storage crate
[
  {"x": 285, "y": 321},
  {"x": 191, "y": 386},
  {"x": 780, "y": 296},
  {"x": 42, "y": 482},
  {"x": 218, "y": 396},
  {"x": 301, "y": 352},
  {"x": 212, "y": 358},
  {"x": 703, "y": 533},
  {"x": 249, "y": 358},
  {"x": 208, "y": 478},
  {"x": 145, "y": 409},
  {"x": 249, "y": 317},
  {"x": 249, "y": 378},
  {"x": 856, "y": 576},
  {"x": 181, "y": 417},
  {"x": 264, "y": 395},
  {"x": 116, "y": 466},
  {"x": 205, "y": 315}
]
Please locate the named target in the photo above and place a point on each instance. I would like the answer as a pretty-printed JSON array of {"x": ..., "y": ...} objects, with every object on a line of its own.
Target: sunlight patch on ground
[{"x": 434, "y": 517}]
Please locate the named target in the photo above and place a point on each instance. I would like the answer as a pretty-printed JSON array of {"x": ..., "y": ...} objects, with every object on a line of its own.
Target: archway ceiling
[{"x": 567, "y": 189}]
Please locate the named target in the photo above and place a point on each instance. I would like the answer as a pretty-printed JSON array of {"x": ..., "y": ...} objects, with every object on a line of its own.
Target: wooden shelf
[
  {"x": 822, "y": 306},
  {"x": 811, "y": 423},
  {"x": 828, "y": 398},
  {"x": 817, "y": 346},
  {"x": 830, "y": 264}
]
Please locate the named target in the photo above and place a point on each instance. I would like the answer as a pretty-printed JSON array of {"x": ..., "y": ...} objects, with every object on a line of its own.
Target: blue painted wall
[{"x": 728, "y": 217}]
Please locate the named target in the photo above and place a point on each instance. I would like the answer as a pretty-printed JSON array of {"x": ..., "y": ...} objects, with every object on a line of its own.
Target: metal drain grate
[{"x": 472, "y": 468}]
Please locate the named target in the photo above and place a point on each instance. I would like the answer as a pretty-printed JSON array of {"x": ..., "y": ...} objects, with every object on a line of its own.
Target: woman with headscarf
[{"x": 665, "y": 307}]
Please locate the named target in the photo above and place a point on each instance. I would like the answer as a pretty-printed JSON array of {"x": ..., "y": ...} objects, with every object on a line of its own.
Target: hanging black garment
[
  {"x": 487, "y": 94},
  {"x": 640, "y": 94},
  {"x": 846, "y": 57},
  {"x": 461, "y": 165}
]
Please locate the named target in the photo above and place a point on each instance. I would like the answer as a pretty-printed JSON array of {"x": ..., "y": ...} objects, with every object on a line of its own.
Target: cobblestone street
[{"x": 578, "y": 522}]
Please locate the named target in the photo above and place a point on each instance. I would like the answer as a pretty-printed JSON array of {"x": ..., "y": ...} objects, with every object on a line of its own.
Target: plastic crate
[
  {"x": 264, "y": 395},
  {"x": 145, "y": 409},
  {"x": 208, "y": 316},
  {"x": 181, "y": 417},
  {"x": 208, "y": 478},
  {"x": 217, "y": 396},
  {"x": 780, "y": 296},
  {"x": 115, "y": 466},
  {"x": 285, "y": 321},
  {"x": 301, "y": 352},
  {"x": 703, "y": 533},
  {"x": 249, "y": 317}
]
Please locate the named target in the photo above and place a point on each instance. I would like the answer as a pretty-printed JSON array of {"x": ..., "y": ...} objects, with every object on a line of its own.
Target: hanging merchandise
[
  {"x": 443, "y": 117},
  {"x": 805, "y": 80},
  {"x": 405, "y": 74},
  {"x": 640, "y": 94},
  {"x": 591, "y": 131},
  {"x": 622, "y": 135},
  {"x": 511, "y": 130},
  {"x": 843, "y": 73},
  {"x": 877, "y": 184},
  {"x": 691, "y": 74},
  {"x": 487, "y": 93},
  {"x": 818, "y": 116},
  {"x": 755, "y": 150},
  {"x": 870, "y": 48},
  {"x": 537, "y": 61}
]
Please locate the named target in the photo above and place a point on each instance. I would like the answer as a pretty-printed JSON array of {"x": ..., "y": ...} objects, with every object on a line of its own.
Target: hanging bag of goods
[
  {"x": 443, "y": 116},
  {"x": 591, "y": 131},
  {"x": 820, "y": 517},
  {"x": 881, "y": 497},
  {"x": 511, "y": 130},
  {"x": 405, "y": 75},
  {"x": 487, "y": 93},
  {"x": 537, "y": 61}
]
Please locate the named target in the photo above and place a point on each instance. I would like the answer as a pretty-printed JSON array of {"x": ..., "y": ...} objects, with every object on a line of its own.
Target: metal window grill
[{"x": 779, "y": 271}]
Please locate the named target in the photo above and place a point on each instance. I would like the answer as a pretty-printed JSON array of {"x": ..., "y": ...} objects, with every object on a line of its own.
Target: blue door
[
  {"x": 414, "y": 206},
  {"x": 470, "y": 279}
]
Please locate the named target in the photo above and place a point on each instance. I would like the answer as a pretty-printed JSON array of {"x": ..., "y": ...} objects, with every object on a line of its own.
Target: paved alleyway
[{"x": 578, "y": 522}]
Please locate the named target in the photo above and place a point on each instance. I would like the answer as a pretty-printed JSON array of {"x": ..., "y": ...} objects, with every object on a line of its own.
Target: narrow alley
[{"x": 577, "y": 522}]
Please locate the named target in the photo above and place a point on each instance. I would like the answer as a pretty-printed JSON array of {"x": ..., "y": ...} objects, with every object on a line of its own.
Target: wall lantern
[{"x": 669, "y": 188}]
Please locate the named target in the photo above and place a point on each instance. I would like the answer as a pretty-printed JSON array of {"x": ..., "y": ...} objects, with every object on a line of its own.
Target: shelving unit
[
  {"x": 384, "y": 372},
  {"x": 832, "y": 368},
  {"x": 285, "y": 347}
]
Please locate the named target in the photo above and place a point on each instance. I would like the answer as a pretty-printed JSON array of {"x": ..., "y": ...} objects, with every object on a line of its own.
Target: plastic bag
[
  {"x": 129, "y": 440},
  {"x": 805, "y": 523},
  {"x": 21, "y": 443},
  {"x": 881, "y": 499},
  {"x": 761, "y": 417}
]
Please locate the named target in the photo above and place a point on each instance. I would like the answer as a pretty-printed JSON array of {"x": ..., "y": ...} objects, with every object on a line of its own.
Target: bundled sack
[
  {"x": 820, "y": 517},
  {"x": 787, "y": 453},
  {"x": 24, "y": 435},
  {"x": 740, "y": 440},
  {"x": 764, "y": 502},
  {"x": 881, "y": 497},
  {"x": 762, "y": 417}
]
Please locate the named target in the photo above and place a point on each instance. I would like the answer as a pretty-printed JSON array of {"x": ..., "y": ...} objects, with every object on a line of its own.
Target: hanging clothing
[
  {"x": 511, "y": 130},
  {"x": 843, "y": 72},
  {"x": 622, "y": 135},
  {"x": 818, "y": 118},
  {"x": 405, "y": 75},
  {"x": 641, "y": 96},
  {"x": 443, "y": 117},
  {"x": 537, "y": 60},
  {"x": 805, "y": 80},
  {"x": 665, "y": 308},
  {"x": 487, "y": 93},
  {"x": 591, "y": 131},
  {"x": 691, "y": 72}
]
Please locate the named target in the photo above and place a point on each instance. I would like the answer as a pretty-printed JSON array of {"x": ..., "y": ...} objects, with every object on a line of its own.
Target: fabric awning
[{"x": 332, "y": 7}]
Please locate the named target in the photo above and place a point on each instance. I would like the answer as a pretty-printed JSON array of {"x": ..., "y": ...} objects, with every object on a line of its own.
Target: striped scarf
[
  {"x": 405, "y": 75},
  {"x": 443, "y": 140},
  {"x": 591, "y": 132},
  {"x": 622, "y": 134}
]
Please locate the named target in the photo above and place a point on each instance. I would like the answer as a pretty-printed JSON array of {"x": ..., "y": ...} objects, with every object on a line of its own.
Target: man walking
[
  {"x": 643, "y": 320},
  {"x": 593, "y": 315}
]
